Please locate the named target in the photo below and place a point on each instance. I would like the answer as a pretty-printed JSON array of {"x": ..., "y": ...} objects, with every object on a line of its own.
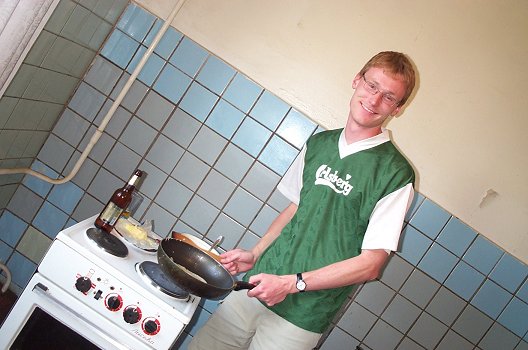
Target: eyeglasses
[{"x": 386, "y": 98}]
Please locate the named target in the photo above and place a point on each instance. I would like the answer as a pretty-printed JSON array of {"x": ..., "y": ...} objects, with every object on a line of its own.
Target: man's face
[{"x": 375, "y": 98}]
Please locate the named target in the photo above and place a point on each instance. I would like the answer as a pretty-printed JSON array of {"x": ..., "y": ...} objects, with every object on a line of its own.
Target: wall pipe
[{"x": 97, "y": 134}]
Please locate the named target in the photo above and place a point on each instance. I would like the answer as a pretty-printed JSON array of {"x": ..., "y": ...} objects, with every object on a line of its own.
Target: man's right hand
[{"x": 238, "y": 260}]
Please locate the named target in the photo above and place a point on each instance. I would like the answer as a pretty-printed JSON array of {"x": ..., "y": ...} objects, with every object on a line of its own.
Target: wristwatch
[{"x": 301, "y": 285}]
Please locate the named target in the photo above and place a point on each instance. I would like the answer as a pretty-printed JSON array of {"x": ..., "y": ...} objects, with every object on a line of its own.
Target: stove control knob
[
  {"x": 151, "y": 326},
  {"x": 132, "y": 314},
  {"x": 113, "y": 302},
  {"x": 83, "y": 284}
]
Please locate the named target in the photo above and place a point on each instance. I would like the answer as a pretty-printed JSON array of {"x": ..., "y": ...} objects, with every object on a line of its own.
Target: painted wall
[{"x": 463, "y": 130}]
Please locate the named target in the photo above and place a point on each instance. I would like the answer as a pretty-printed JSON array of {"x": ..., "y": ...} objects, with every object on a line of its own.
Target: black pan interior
[{"x": 198, "y": 262}]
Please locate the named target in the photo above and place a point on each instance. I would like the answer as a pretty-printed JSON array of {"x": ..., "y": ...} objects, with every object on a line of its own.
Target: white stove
[{"x": 95, "y": 292}]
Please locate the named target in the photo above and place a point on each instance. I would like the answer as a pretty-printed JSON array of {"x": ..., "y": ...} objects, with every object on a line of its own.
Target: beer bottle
[{"x": 117, "y": 204}]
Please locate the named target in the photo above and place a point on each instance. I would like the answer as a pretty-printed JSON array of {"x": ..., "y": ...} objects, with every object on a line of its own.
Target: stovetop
[{"x": 125, "y": 269}]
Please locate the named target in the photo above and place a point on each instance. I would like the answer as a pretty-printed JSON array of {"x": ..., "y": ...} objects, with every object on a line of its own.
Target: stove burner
[
  {"x": 152, "y": 274},
  {"x": 107, "y": 242}
]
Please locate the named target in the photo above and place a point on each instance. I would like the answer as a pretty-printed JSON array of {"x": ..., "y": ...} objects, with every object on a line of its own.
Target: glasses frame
[{"x": 372, "y": 88}]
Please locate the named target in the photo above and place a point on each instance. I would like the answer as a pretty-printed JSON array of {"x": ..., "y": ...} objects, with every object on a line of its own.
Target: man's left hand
[{"x": 272, "y": 289}]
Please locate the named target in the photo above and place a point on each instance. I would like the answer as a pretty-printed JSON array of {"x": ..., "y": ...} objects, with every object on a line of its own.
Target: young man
[{"x": 349, "y": 191}]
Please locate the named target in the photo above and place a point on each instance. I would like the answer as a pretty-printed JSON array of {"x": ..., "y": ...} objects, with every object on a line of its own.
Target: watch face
[{"x": 301, "y": 285}]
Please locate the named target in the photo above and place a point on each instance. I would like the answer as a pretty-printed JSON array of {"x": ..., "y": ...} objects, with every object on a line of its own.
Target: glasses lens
[
  {"x": 369, "y": 86},
  {"x": 389, "y": 100}
]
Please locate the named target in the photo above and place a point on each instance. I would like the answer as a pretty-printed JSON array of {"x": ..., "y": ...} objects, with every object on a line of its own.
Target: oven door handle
[{"x": 44, "y": 291}]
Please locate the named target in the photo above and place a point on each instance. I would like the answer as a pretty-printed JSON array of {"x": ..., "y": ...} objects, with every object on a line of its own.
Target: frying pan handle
[{"x": 239, "y": 285}]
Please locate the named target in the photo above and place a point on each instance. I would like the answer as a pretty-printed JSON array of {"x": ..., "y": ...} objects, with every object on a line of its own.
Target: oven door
[{"x": 46, "y": 317}]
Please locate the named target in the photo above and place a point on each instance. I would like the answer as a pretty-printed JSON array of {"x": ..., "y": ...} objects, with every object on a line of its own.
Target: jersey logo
[{"x": 325, "y": 177}]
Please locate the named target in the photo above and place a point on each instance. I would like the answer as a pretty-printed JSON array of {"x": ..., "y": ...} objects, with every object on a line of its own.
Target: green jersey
[{"x": 337, "y": 199}]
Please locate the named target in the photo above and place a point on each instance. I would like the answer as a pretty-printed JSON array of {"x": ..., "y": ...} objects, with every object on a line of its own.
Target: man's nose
[{"x": 376, "y": 98}]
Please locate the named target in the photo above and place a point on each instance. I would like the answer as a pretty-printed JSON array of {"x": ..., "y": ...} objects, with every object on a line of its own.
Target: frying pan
[
  {"x": 196, "y": 271},
  {"x": 182, "y": 237}
]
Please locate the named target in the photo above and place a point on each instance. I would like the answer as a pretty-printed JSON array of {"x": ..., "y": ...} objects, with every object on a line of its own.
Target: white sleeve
[
  {"x": 386, "y": 220},
  {"x": 291, "y": 184}
]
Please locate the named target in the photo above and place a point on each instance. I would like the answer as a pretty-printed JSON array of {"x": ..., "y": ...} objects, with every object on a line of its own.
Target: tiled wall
[
  {"x": 447, "y": 288},
  {"x": 46, "y": 80},
  {"x": 214, "y": 145}
]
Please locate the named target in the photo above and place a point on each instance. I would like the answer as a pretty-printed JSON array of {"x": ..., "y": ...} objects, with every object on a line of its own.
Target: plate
[{"x": 137, "y": 235}]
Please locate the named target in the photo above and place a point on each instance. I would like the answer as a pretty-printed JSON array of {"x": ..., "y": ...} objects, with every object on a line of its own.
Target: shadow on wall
[{"x": 49, "y": 74}]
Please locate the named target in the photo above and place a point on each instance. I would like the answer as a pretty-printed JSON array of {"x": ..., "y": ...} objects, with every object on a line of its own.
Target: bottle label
[{"x": 111, "y": 213}]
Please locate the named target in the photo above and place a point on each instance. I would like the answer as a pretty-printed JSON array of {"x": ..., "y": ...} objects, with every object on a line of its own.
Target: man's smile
[{"x": 367, "y": 109}]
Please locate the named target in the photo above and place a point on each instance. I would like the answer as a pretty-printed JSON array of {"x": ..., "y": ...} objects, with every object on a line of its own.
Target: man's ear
[
  {"x": 356, "y": 81},
  {"x": 396, "y": 111}
]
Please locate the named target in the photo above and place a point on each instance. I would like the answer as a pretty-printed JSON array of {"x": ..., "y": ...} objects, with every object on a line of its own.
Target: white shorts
[{"x": 241, "y": 322}]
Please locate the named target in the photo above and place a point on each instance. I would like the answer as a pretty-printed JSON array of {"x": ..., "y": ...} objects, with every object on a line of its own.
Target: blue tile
[
  {"x": 198, "y": 101},
  {"x": 269, "y": 110},
  {"x": 319, "y": 129},
  {"x": 86, "y": 102},
  {"x": 66, "y": 196},
  {"x": 242, "y": 92},
  {"x": 482, "y": 255},
  {"x": 136, "y": 22},
  {"x": 165, "y": 154},
  {"x": 509, "y": 273},
  {"x": 172, "y": 83},
  {"x": 209, "y": 305},
  {"x": 154, "y": 29},
  {"x": 296, "y": 128},
  {"x": 135, "y": 60},
  {"x": 413, "y": 245},
  {"x": 188, "y": 57},
  {"x": 522, "y": 293},
  {"x": 207, "y": 145},
  {"x": 515, "y": 317},
  {"x": 456, "y": 236},
  {"x": 243, "y": 206},
  {"x": 417, "y": 201},
  {"x": 464, "y": 280},
  {"x": 5, "y": 251},
  {"x": 430, "y": 218},
  {"x": 491, "y": 299},
  {"x": 150, "y": 70},
  {"x": 168, "y": 41},
  {"x": 21, "y": 268},
  {"x": 438, "y": 262},
  {"x": 199, "y": 214},
  {"x": 225, "y": 119},
  {"x": 119, "y": 48},
  {"x": 215, "y": 75},
  {"x": 70, "y": 223},
  {"x": 50, "y": 220},
  {"x": 251, "y": 136},
  {"x": 199, "y": 319},
  {"x": 185, "y": 339},
  {"x": 12, "y": 228},
  {"x": 278, "y": 155},
  {"x": 37, "y": 185}
]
